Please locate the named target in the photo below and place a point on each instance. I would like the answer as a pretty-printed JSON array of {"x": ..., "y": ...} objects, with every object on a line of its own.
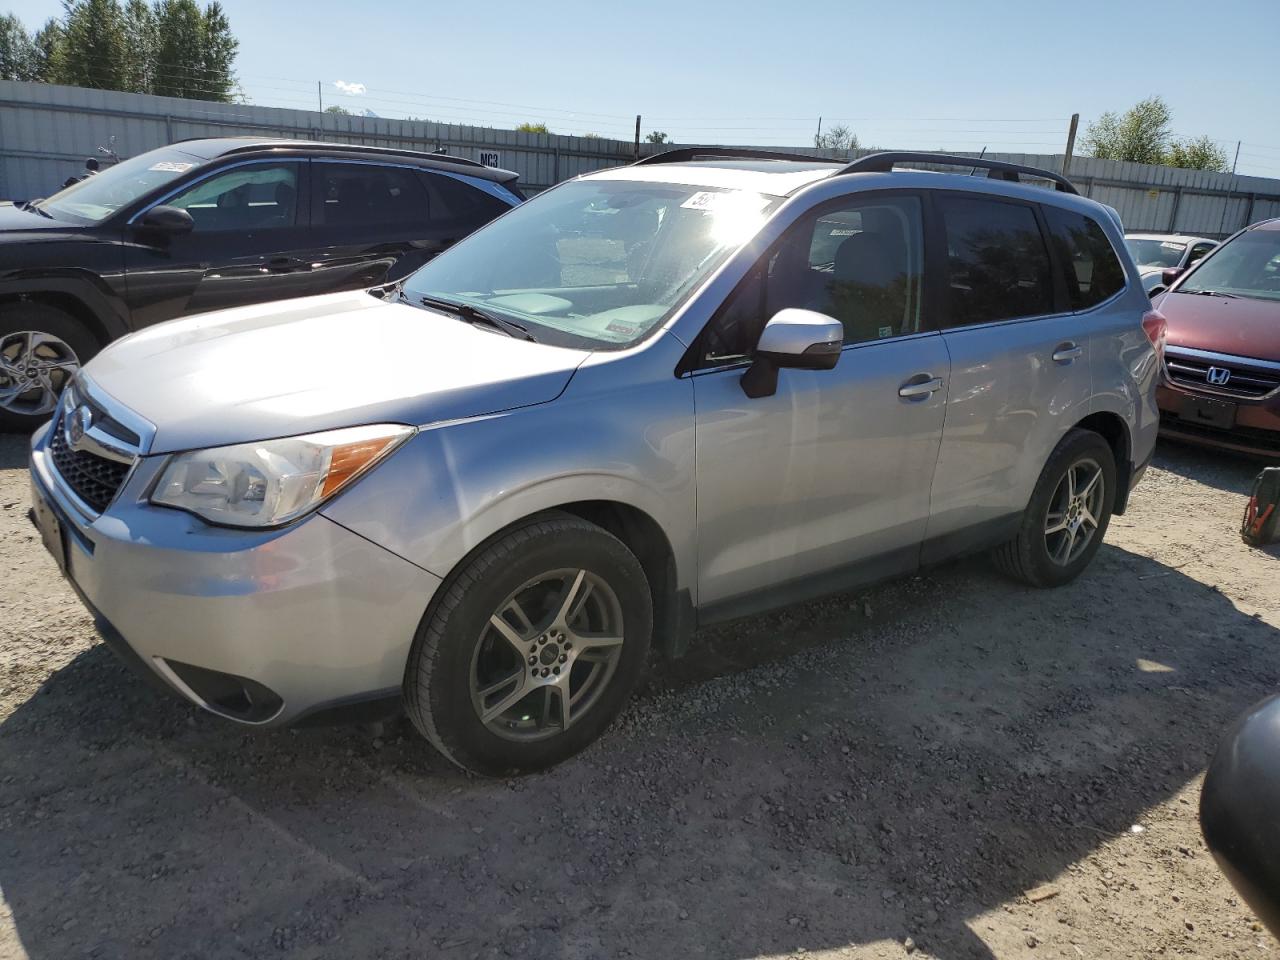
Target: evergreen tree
[
  {"x": 92, "y": 52},
  {"x": 140, "y": 42},
  {"x": 17, "y": 52}
]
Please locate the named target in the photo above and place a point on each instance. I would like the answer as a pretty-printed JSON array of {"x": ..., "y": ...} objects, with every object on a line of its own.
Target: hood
[
  {"x": 299, "y": 366},
  {"x": 1243, "y": 327},
  {"x": 17, "y": 225}
]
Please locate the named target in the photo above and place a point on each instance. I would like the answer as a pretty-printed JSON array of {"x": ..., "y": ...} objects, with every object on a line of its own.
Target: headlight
[{"x": 272, "y": 482}]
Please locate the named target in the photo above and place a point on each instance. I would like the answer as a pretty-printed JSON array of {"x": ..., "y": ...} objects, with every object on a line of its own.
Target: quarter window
[
  {"x": 253, "y": 197},
  {"x": 997, "y": 262},
  {"x": 367, "y": 195},
  {"x": 1092, "y": 270}
]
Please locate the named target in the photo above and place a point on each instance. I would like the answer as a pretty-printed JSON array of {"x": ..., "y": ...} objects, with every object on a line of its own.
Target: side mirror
[
  {"x": 169, "y": 221},
  {"x": 1168, "y": 276},
  {"x": 800, "y": 339},
  {"x": 1238, "y": 805}
]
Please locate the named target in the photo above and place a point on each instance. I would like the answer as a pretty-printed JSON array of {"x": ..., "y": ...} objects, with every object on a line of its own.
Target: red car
[{"x": 1222, "y": 358}]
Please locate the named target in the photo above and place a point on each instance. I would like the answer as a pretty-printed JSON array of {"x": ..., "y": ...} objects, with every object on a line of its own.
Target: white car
[{"x": 1155, "y": 253}]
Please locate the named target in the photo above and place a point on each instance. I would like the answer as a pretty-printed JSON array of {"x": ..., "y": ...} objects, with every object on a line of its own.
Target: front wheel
[
  {"x": 41, "y": 349},
  {"x": 533, "y": 648},
  {"x": 1067, "y": 517}
]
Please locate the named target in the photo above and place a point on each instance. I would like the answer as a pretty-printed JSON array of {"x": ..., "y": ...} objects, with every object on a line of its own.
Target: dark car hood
[
  {"x": 1241, "y": 326},
  {"x": 18, "y": 225},
  {"x": 300, "y": 366}
]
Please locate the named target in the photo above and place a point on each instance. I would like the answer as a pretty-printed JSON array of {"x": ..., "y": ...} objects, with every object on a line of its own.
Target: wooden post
[
  {"x": 637, "y": 136},
  {"x": 320, "y": 94},
  {"x": 1071, "y": 143}
]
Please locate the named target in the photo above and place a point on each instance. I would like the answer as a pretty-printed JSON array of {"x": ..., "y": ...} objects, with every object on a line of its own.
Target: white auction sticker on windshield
[
  {"x": 714, "y": 201},
  {"x": 171, "y": 166}
]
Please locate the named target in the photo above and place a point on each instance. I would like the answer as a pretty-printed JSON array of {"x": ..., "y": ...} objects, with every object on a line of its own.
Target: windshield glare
[
  {"x": 97, "y": 197},
  {"x": 595, "y": 263},
  {"x": 1155, "y": 253},
  {"x": 1248, "y": 266}
]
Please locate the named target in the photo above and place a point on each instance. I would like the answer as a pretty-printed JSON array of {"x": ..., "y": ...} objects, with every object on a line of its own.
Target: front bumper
[
  {"x": 1256, "y": 430},
  {"x": 302, "y": 618}
]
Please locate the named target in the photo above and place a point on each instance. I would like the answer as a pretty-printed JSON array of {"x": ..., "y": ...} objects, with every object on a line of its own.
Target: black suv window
[
  {"x": 451, "y": 199},
  {"x": 367, "y": 195},
  {"x": 255, "y": 196},
  {"x": 859, "y": 261},
  {"x": 997, "y": 261},
  {"x": 1092, "y": 270}
]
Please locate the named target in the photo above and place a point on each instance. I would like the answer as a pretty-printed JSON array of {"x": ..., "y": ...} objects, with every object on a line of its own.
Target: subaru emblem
[
  {"x": 1218, "y": 376},
  {"x": 78, "y": 424}
]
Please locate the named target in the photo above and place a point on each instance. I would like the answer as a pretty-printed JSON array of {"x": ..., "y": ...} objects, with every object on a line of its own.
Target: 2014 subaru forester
[{"x": 651, "y": 398}]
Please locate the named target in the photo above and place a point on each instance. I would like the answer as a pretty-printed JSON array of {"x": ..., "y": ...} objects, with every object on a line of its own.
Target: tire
[
  {"x": 66, "y": 342},
  {"x": 458, "y": 651},
  {"x": 1037, "y": 557}
]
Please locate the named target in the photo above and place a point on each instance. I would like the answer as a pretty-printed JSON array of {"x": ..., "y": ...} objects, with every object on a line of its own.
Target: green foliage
[
  {"x": 532, "y": 128},
  {"x": 169, "y": 47},
  {"x": 1200, "y": 153},
  {"x": 17, "y": 50},
  {"x": 657, "y": 136},
  {"x": 838, "y": 137},
  {"x": 1144, "y": 134},
  {"x": 340, "y": 111}
]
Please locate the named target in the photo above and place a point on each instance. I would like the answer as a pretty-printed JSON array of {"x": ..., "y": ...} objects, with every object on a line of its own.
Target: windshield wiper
[
  {"x": 1211, "y": 293},
  {"x": 474, "y": 315},
  {"x": 30, "y": 207}
]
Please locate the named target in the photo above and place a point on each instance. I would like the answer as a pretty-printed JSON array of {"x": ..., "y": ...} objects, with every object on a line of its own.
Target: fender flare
[{"x": 108, "y": 312}]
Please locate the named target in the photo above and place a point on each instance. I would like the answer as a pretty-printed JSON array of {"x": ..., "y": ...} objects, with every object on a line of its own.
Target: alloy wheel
[
  {"x": 546, "y": 655},
  {"x": 34, "y": 367},
  {"x": 1071, "y": 521}
]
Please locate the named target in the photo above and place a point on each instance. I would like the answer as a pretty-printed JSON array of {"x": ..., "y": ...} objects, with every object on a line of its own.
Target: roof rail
[
  {"x": 884, "y": 162},
  {"x": 348, "y": 147},
  {"x": 685, "y": 154}
]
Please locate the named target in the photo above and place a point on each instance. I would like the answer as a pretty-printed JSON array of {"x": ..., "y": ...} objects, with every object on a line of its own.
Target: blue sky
[{"x": 959, "y": 75}]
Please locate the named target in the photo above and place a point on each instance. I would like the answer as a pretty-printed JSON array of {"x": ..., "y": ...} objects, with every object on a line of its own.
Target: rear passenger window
[
  {"x": 1092, "y": 270},
  {"x": 454, "y": 200},
  {"x": 367, "y": 195},
  {"x": 997, "y": 261}
]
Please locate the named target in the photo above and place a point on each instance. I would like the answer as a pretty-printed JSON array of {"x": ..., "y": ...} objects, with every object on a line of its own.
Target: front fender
[
  {"x": 455, "y": 485},
  {"x": 101, "y": 296}
]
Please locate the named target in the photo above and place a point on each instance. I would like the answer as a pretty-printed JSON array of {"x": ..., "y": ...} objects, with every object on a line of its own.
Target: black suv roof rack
[
  {"x": 685, "y": 154},
  {"x": 884, "y": 162},
  {"x": 349, "y": 148}
]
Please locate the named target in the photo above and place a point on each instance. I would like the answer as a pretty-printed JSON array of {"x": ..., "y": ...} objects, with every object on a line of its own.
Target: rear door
[
  {"x": 371, "y": 222},
  {"x": 249, "y": 244},
  {"x": 1019, "y": 366},
  {"x": 826, "y": 482}
]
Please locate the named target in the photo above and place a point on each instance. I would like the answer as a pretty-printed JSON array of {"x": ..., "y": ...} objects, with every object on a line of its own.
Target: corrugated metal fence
[{"x": 46, "y": 132}]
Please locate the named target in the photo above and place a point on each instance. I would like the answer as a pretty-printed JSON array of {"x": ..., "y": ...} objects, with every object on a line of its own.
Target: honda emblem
[{"x": 1218, "y": 376}]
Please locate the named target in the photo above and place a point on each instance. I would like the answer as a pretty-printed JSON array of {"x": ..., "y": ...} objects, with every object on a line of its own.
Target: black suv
[{"x": 206, "y": 224}]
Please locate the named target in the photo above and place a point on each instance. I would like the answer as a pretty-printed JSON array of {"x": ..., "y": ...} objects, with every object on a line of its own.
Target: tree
[
  {"x": 838, "y": 137},
  {"x": 340, "y": 111},
  {"x": 532, "y": 128},
  {"x": 657, "y": 136},
  {"x": 44, "y": 46},
  {"x": 1200, "y": 153},
  {"x": 141, "y": 40},
  {"x": 1143, "y": 134},
  {"x": 92, "y": 51},
  {"x": 218, "y": 55},
  {"x": 17, "y": 51}
]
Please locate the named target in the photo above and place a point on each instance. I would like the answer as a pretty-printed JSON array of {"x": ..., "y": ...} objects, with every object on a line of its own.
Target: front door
[
  {"x": 249, "y": 244},
  {"x": 826, "y": 483}
]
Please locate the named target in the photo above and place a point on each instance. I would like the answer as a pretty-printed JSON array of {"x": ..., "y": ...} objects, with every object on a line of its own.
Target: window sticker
[
  {"x": 171, "y": 166},
  {"x": 714, "y": 201},
  {"x": 886, "y": 331}
]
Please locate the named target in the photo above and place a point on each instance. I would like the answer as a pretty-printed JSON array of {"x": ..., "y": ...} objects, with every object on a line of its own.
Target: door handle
[
  {"x": 916, "y": 389},
  {"x": 1067, "y": 352},
  {"x": 287, "y": 265}
]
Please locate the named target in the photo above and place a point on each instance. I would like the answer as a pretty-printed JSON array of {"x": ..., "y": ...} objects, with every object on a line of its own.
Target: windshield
[
  {"x": 595, "y": 263},
  {"x": 97, "y": 197},
  {"x": 1155, "y": 253},
  {"x": 1248, "y": 266}
]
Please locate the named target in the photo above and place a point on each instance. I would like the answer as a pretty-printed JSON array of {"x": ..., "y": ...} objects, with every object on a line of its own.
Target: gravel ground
[{"x": 951, "y": 766}]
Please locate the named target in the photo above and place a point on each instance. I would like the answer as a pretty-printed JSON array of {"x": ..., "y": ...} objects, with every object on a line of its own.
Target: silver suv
[{"x": 654, "y": 397}]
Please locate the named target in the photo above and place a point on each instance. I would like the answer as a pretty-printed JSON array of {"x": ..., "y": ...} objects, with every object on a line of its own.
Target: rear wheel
[
  {"x": 41, "y": 349},
  {"x": 533, "y": 648},
  {"x": 1067, "y": 517}
]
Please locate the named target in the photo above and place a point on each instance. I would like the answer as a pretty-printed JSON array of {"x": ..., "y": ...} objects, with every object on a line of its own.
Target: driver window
[
  {"x": 859, "y": 261},
  {"x": 249, "y": 198}
]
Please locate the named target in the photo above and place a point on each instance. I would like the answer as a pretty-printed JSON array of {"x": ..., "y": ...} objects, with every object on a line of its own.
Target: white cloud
[{"x": 350, "y": 89}]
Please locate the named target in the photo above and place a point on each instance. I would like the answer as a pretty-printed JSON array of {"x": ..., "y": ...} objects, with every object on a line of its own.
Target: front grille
[
  {"x": 92, "y": 478},
  {"x": 1245, "y": 379}
]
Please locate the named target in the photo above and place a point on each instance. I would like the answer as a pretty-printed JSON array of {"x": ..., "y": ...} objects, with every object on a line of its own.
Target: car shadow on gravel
[
  {"x": 879, "y": 765},
  {"x": 13, "y": 450},
  {"x": 1221, "y": 469}
]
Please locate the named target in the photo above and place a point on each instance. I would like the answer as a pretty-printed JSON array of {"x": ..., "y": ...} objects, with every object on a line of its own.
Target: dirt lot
[{"x": 826, "y": 782}]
